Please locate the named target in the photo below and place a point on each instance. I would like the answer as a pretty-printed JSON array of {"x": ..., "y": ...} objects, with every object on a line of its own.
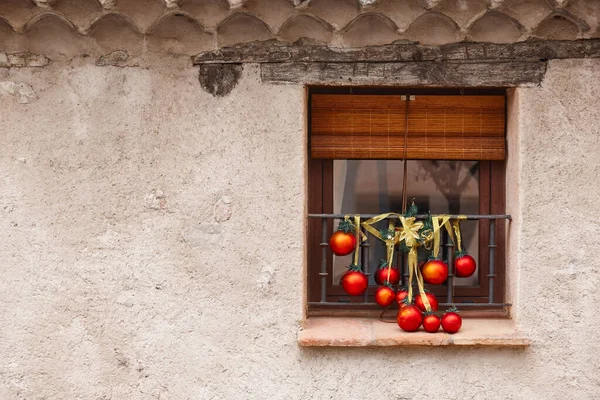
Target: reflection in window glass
[{"x": 375, "y": 187}]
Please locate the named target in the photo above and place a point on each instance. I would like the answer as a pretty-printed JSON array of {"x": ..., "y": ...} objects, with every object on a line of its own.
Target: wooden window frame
[{"x": 492, "y": 200}]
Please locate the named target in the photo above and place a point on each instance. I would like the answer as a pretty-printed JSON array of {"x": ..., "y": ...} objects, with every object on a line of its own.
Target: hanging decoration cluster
[{"x": 408, "y": 236}]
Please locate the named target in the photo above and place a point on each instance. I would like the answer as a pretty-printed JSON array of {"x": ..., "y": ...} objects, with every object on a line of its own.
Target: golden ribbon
[
  {"x": 390, "y": 241},
  {"x": 358, "y": 237},
  {"x": 456, "y": 227},
  {"x": 410, "y": 234}
]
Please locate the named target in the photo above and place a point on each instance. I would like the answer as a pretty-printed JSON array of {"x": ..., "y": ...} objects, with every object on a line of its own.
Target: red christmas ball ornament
[
  {"x": 354, "y": 281},
  {"x": 464, "y": 265},
  {"x": 409, "y": 318},
  {"x": 400, "y": 296},
  {"x": 435, "y": 272},
  {"x": 381, "y": 276},
  {"x": 433, "y": 302},
  {"x": 342, "y": 243},
  {"x": 431, "y": 323},
  {"x": 451, "y": 321},
  {"x": 384, "y": 296}
]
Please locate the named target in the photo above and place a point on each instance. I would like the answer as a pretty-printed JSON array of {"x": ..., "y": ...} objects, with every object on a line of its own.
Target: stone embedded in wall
[
  {"x": 22, "y": 92},
  {"x": 265, "y": 279},
  {"x": 219, "y": 79},
  {"x": 116, "y": 59},
  {"x": 23, "y": 60},
  {"x": 156, "y": 200},
  {"x": 222, "y": 209}
]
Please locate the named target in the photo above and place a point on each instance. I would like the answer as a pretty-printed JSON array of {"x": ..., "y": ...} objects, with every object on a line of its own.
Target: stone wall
[
  {"x": 152, "y": 244},
  {"x": 152, "y": 205}
]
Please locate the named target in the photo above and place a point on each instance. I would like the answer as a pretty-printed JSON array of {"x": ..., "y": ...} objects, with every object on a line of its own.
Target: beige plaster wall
[{"x": 151, "y": 245}]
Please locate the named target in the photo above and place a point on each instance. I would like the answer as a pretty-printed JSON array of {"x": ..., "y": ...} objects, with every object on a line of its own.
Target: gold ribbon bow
[
  {"x": 390, "y": 241},
  {"x": 410, "y": 234}
]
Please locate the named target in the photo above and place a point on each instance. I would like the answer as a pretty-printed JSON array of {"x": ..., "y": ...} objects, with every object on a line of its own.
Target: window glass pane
[{"x": 375, "y": 186}]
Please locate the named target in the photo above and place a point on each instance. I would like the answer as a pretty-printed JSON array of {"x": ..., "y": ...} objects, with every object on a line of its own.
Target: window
[{"x": 456, "y": 150}]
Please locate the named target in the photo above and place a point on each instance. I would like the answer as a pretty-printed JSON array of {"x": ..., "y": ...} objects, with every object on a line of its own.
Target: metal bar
[
  {"x": 405, "y": 268},
  {"x": 459, "y": 305},
  {"x": 450, "y": 258},
  {"x": 420, "y": 216},
  {"x": 323, "y": 273},
  {"x": 400, "y": 266},
  {"x": 492, "y": 247},
  {"x": 365, "y": 262}
]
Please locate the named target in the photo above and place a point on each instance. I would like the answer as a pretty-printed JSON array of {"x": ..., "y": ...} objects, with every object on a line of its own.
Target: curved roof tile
[
  {"x": 433, "y": 28},
  {"x": 308, "y": 26},
  {"x": 463, "y": 12},
  {"x": 560, "y": 26},
  {"x": 179, "y": 33},
  {"x": 209, "y": 12},
  {"x": 335, "y": 22},
  {"x": 495, "y": 27},
  {"x": 242, "y": 27},
  {"x": 116, "y": 32},
  {"x": 338, "y": 13},
  {"x": 370, "y": 29}
]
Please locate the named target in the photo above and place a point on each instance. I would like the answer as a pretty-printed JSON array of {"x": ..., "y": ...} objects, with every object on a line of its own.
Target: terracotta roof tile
[{"x": 180, "y": 26}]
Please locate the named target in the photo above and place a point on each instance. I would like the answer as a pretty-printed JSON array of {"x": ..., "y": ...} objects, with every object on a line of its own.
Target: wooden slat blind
[{"x": 439, "y": 127}]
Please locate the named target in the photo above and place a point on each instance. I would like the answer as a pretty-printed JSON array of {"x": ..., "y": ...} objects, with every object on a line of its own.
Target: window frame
[{"x": 492, "y": 200}]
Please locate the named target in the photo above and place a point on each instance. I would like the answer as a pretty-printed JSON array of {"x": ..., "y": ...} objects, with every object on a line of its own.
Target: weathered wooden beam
[
  {"x": 273, "y": 51},
  {"x": 447, "y": 74}
]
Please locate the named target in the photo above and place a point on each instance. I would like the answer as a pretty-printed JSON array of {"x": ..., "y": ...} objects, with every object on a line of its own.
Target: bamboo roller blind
[{"x": 439, "y": 127}]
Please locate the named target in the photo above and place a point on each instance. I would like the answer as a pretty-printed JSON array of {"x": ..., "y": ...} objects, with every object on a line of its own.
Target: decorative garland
[{"x": 409, "y": 236}]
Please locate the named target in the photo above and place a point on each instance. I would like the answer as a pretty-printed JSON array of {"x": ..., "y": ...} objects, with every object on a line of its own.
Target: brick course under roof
[{"x": 69, "y": 27}]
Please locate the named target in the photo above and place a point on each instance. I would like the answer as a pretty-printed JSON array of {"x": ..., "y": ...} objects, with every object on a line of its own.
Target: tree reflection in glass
[{"x": 375, "y": 186}]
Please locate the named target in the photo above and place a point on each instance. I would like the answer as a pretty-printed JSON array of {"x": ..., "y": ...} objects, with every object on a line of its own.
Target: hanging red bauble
[
  {"x": 381, "y": 276},
  {"x": 464, "y": 265},
  {"x": 435, "y": 272},
  {"x": 432, "y": 301},
  {"x": 354, "y": 282},
  {"x": 343, "y": 241},
  {"x": 400, "y": 296},
  {"x": 409, "y": 318},
  {"x": 384, "y": 296}
]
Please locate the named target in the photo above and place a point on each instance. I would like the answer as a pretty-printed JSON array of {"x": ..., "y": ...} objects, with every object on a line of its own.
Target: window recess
[{"x": 455, "y": 150}]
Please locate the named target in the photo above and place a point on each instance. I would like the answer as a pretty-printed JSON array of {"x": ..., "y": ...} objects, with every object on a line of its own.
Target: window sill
[{"x": 367, "y": 332}]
